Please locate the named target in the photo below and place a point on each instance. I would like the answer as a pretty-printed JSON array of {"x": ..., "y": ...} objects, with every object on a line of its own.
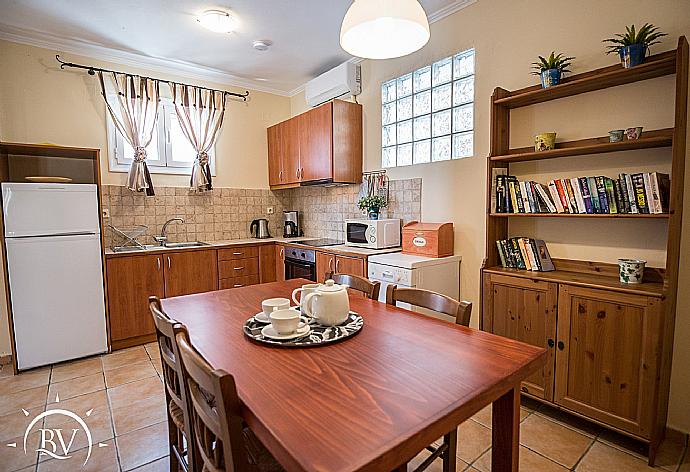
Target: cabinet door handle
[
  {"x": 237, "y": 253},
  {"x": 298, "y": 173},
  {"x": 337, "y": 265},
  {"x": 169, "y": 264},
  {"x": 330, "y": 263},
  {"x": 282, "y": 253},
  {"x": 550, "y": 342},
  {"x": 237, "y": 285},
  {"x": 239, "y": 268},
  {"x": 158, "y": 263},
  {"x": 561, "y": 345},
  {"x": 280, "y": 176}
]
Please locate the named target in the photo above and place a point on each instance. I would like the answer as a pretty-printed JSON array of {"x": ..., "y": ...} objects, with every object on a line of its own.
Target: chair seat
[
  {"x": 177, "y": 415},
  {"x": 258, "y": 454}
]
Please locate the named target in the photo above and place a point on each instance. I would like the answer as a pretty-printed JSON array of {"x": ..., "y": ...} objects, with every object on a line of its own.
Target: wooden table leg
[
  {"x": 449, "y": 460},
  {"x": 505, "y": 432}
]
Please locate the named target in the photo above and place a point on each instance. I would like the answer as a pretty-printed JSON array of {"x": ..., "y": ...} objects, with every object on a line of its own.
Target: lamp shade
[{"x": 383, "y": 29}]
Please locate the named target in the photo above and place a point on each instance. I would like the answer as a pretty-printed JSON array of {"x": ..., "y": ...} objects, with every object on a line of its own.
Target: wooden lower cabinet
[
  {"x": 606, "y": 364},
  {"x": 325, "y": 265},
  {"x": 267, "y": 263},
  {"x": 524, "y": 310},
  {"x": 328, "y": 263},
  {"x": 280, "y": 262},
  {"x": 190, "y": 272},
  {"x": 131, "y": 280}
]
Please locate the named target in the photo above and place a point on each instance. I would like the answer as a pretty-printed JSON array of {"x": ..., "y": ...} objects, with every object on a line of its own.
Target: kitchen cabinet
[
  {"x": 328, "y": 263},
  {"x": 131, "y": 280},
  {"x": 524, "y": 310},
  {"x": 267, "y": 263},
  {"x": 323, "y": 144},
  {"x": 280, "y": 262},
  {"x": 190, "y": 272},
  {"x": 325, "y": 265}
]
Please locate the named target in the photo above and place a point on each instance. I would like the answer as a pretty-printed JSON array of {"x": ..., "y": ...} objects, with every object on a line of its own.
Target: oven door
[
  {"x": 300, "y": 270},
  {"x": 356, "y": 234}
]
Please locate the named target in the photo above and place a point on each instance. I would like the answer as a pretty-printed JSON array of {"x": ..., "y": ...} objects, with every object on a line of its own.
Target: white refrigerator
[{"x": 53, "y": 242}]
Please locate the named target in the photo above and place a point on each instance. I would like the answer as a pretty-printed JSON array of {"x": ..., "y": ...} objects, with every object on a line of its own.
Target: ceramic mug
[
  {"x": 286, "y": 321},
  {"x": 305, "y": 290},
  {"x": 633, "y": 133},
  {"x": 616, "y": 135},
  {"x": 269, "y": 305},
  {"x": 631, "y": 271},
  {"x": 544, "y": 142}
]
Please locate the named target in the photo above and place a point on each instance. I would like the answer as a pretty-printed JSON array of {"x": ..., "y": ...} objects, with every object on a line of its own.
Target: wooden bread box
[{"x": 428, "y": 239}]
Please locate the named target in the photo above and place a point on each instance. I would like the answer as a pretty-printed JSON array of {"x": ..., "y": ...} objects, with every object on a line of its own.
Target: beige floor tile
[
  {"x": 14, "y": 458},
  {"x": 604, "y": 458},
  {"x": 6, "y": 370},
  {"x": 139, "y": 414},
  {"x": 161, "y": 465},
  {"x": 124, "y": 358},
  {"x": 553, "y": 440},
  {"x": 573, "y": 422},
  {"x": 668, "y": 456},
  {"x": 483, "y": 417},
  {"x": 152, "y": 350},
  {"x": 102, "y": 459},
  {"x": 530, "y": 461},
  {"x": 24, "y": 381},
  {"x": 437, "y": 465},
  {"x": 74, "y": 369},
  {"x": 157, "y": 364},
  {"x": 99, "y": 421},
  {"x": 143, "y": 446},
  {"x": 14, "y": 424},
  {"x": 130, "y": 373},
  {"x": 473, "y": 440},
  {"x": 77, "y": 386},
  {"x": 12, "y": 402},
  {"x": 124, "y": 394}
]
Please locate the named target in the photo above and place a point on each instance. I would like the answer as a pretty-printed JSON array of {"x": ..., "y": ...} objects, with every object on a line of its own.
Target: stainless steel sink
[
  {"x": 133, "y": 248},
  {"x": 186, "y": 244}
]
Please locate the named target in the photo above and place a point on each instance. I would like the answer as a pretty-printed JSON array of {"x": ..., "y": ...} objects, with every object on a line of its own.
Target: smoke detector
[{"x": 262, "y": 44}]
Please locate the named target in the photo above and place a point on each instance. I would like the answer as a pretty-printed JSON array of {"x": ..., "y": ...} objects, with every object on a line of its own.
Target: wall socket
[
  {"x": 270, "y": 210},
  {"x": 106, "y": 213}
]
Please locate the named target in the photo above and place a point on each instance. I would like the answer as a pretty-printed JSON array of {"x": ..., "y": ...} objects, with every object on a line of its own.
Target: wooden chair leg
[
  {"x": 172, "y": 441},
  {"x": 449, "y": 460}
]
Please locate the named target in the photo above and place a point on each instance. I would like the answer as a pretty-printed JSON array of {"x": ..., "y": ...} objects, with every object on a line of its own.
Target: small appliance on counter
[
  {"x": 259, "y": 229},
  {"x": 291, "y": 227},
  {"x": 428, "y": 239},
  {"x": 373, "y": 234}
]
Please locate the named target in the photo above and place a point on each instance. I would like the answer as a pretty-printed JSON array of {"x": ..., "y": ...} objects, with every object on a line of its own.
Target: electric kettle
[{"x": 259, "y": 229}]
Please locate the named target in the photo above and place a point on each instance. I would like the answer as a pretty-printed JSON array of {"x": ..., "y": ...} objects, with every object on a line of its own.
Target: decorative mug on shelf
[
  {"x": 616, "y": 135},
  {"x": 631, "y": 271},
  {"x": 545, "y": 142},
  {"x": 633, "y": 133}
]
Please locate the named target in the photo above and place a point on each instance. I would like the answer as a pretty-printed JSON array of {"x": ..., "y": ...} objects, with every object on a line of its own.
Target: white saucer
[
  {"x": 271, "y": 333},
  {"x": 261, "y": 317}
]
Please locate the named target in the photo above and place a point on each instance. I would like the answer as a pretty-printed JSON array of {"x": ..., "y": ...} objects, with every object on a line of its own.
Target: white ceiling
[{"x": 163, "y": 35}]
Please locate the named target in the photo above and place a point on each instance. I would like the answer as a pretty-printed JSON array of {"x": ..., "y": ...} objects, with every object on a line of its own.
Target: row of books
[
  {"x": 524, "y": 253},
  {"x": 641, "y": 193}
]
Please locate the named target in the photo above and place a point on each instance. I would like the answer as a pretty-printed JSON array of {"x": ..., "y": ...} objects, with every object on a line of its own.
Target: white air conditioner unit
[{"x": 342, "y": 80}]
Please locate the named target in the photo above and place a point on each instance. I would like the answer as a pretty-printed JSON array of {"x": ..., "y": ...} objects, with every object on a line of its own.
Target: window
[
  {"x": 428, "y": 115},
  {"x": 169, "y": 151}
]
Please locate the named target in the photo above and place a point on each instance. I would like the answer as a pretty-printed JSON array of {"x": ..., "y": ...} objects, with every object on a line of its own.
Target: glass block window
[{"x": 428, "y": 115}]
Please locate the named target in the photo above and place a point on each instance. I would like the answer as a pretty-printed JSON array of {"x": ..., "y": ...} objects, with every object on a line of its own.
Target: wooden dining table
[{"x": 370, "y": 402}]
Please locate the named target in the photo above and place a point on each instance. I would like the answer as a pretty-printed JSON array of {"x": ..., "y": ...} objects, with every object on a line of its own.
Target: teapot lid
[{"x": 331, "y": 286}]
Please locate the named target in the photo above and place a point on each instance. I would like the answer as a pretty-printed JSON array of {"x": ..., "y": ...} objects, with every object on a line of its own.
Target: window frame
[
  {"x": 118, "y": 162},
  {"x": 429, "y": 90}
]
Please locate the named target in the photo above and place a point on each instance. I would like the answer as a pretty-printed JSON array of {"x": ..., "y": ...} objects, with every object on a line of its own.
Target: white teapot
[{"x": 329, "y": 304}]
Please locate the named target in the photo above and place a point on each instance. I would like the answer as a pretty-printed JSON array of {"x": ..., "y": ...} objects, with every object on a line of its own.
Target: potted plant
[
  {"x": 550, "y": 69},
  {"x": 372, "y": 205},
  {"x": 632, "y": 47}
]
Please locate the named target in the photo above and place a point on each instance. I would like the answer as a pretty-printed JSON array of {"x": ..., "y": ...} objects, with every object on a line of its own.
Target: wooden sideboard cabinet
[{"x": 323, "y": 144}]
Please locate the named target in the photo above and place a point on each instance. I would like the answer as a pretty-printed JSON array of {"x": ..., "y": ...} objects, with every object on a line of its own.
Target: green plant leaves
[
  {"x": 648, "y": 35},
  {"x": 554, "y": 61}
]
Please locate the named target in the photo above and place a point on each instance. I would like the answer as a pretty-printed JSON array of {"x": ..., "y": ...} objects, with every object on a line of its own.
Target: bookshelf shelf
[
  {"x": 582, "y": 147},
  {"x": 580, "y": 215},
  {"x": 654, "y": 66}
]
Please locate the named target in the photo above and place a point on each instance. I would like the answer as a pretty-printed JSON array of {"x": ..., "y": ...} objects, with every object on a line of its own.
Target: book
[
  {"x": 543, "y": 192},
  {"x": 632, "y": 199},
  {"x": 530, "y": 254},
  {"x": 648, "y": 192},
  {"x": 513, "y": 207},
  {"x": 562, "y": 195},
  {"x": 610, "y": 195},
  {"x": 624, "y": 193},
  {"x": 501, "y": 255},
  {"x": 510, "y": 260},
  {"x": 525, "y": 197},
  {"x": 524, "y": 253},
  {"x": 586, "y": 198},
  {"x": 496, "y": 198},
  {"x": 663, "y": 184},
  {"x": 531, "y": 197},
  {"x": 535, "y": 253},
  {"x": 545, "y": 261},
  {"x": 592, "y": 184},
  {"x": 553, "y": 190},
  {"x": 571, "y": 196},
  {"x": 579, "y": 198},
  {"x": 601, "y": 191},
  {"x": 517, "y": 254},
  {"x": 640, "y": 194}
]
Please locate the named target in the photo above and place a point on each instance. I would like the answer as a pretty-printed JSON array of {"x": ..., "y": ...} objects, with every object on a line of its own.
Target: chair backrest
[
  {"x": 461, "y": 311},
  {"x": 360, "y": 284},
  {"x": 214, "y": 411}
]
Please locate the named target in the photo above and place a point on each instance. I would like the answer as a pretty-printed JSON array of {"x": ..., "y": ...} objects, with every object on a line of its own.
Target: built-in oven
[{"x": 300, "y": 263}]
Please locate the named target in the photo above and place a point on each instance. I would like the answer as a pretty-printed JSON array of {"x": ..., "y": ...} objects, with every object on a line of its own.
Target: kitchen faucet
[{"x": 163, "y": 238}]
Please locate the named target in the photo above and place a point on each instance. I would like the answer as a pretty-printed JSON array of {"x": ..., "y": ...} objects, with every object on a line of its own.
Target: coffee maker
[{"x": 290, "y": 224}]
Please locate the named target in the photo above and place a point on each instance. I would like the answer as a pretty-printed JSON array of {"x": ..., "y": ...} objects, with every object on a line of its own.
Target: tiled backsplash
[{"x": 227, "y": 212}]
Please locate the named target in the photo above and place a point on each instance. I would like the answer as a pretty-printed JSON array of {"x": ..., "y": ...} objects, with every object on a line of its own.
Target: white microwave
[{"x": 373, "y": 234}]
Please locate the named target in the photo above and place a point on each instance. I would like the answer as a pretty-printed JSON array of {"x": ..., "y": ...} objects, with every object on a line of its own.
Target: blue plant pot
[
  {"x": 632, "y": 55},
  {"x": 373, "y": 214},
  {"x": 550, "y": 77}
]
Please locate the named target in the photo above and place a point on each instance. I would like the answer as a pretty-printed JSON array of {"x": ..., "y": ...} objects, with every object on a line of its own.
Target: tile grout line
[{"x": 112, "y": 421}]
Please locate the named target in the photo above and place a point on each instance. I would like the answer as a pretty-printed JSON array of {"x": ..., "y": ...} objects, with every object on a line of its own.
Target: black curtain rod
[{"x": 92, "y": 71}]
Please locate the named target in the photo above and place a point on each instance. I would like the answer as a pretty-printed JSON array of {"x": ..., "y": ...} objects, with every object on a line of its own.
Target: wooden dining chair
[
  {"x": 462, "y": 312},
  {"x": 222, "y": 441},
  {"x": 179, "y": 433},
  {"x": 367, "y": 287}
]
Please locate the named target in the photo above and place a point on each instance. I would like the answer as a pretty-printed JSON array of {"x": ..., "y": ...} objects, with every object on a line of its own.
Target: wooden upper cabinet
[
  {"x": 322, "y": 144},
  {"x": 131, "y": 280},
  {"x": 316, "y": 143},
  {"x": 190, "y": 272}
]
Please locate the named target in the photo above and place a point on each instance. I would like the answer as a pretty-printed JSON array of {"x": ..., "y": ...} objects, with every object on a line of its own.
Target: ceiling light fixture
[
  {"x": 218, "y": 21},
  {"x": 384, "y": 29},
  {"x": 261, "y": 44}
]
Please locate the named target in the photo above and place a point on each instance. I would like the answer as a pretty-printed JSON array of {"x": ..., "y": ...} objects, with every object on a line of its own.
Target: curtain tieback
[
  {"x": 139, "y": 154},
  {"x": 202, "y": 158}
]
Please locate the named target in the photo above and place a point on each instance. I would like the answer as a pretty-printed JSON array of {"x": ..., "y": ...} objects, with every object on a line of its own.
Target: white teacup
[
  {"x": 271, "y": 304},
  {"x": 305, "y": 290},
  {"x": 285, "y": 321}
]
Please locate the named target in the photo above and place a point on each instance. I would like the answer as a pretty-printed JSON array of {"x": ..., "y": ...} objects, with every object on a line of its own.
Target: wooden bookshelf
[{"x": 582, "y": 303}]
